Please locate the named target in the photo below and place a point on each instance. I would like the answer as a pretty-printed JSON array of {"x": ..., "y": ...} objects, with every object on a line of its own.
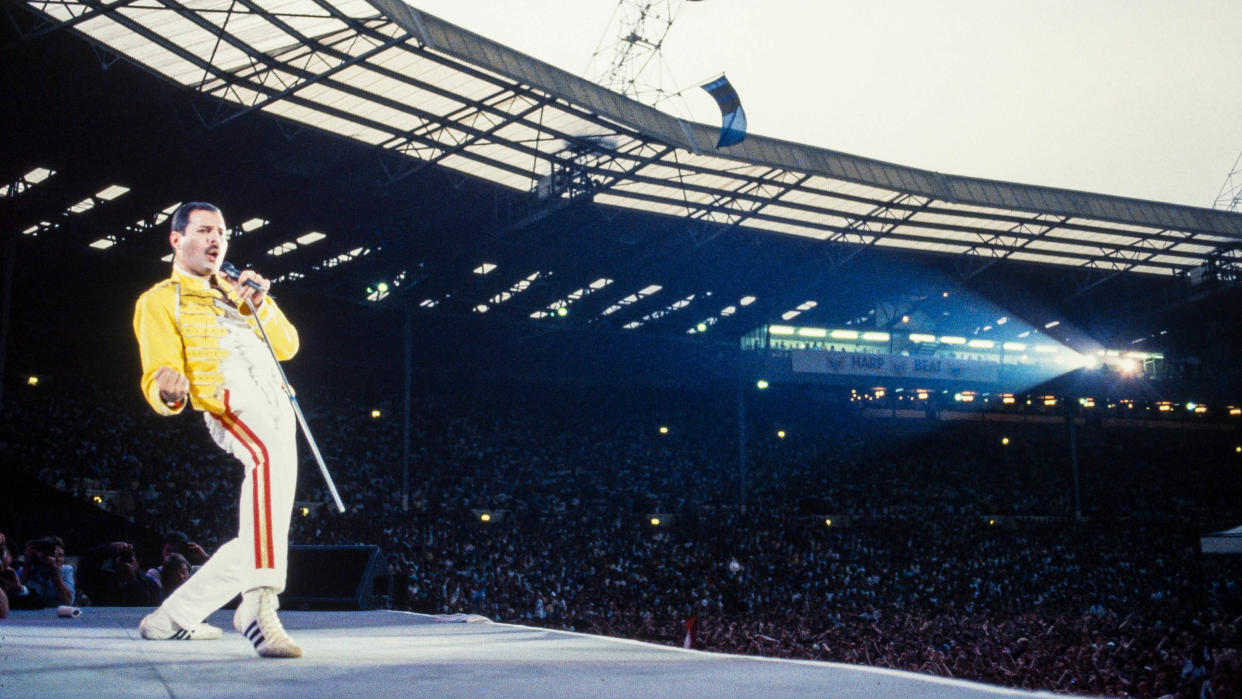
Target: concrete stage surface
[{"x": 384, "y": 653}]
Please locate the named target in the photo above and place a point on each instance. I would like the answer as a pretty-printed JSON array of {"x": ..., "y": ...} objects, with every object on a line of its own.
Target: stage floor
[{"x": 381, "y": 653}]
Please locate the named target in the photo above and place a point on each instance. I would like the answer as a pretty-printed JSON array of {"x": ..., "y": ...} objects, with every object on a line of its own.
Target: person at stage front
[{"x": 201, "y": 345}]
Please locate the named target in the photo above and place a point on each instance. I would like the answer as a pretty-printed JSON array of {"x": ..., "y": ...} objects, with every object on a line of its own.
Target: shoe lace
[{"x": 268, "y": 621}]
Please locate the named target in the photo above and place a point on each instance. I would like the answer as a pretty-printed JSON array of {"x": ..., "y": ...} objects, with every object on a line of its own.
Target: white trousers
[{"x": 258, "y": 428}]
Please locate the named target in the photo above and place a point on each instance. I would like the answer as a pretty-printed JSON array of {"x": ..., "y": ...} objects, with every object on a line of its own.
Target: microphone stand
[{"x": 297, "y": 410}]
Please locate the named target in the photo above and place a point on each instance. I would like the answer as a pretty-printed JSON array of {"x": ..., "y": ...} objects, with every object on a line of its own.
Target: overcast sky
[{"x": 1139, "y": 98}]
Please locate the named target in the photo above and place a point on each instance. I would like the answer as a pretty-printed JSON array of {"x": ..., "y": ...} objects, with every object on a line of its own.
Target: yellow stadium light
[
  {"x": 305, "y": 511},
  {"x": 485, "y": 517},
  {"x": 828, "y": 522},
  {"x": 1005, "y": 441},
  {"x": 663, "y": 429},
  {"x": 33, "y": 381},
  {"x": 1235, "y": 411},
  {"x": 780, "y": 434},
  {"x": 1050, "y": 401},
  {"x": 655, "y": 521},
  {"x": 1238, "y": 449},
  {"x": 761, "y": 384},
  {"x": 991, "y": 522},
  {"x": 1007, "y": 398},
  {"x": 375, "y": 413},
  {"x": 97, "y": 500},
  {"x": 562, "y": 311},
  {"x": 922, "y": 395},
  {"x": 781, "y": 329}
]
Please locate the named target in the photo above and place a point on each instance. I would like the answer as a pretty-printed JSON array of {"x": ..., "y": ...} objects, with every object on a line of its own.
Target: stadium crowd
[{"x": 952, "y": 547}]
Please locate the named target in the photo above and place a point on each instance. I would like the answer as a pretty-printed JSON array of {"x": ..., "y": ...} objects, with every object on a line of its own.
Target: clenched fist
[{"x": 173, "y": 385}]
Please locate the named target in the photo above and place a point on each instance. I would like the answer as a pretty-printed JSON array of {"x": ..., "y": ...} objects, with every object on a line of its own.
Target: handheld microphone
[{"x": 228, "y": 269}]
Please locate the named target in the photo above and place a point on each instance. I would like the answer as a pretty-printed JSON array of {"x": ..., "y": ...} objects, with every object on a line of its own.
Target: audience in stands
[{"x": 951, "y": 551}]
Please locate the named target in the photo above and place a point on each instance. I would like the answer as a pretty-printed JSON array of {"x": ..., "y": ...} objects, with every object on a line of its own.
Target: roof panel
[{"x": 462, "y": 85}]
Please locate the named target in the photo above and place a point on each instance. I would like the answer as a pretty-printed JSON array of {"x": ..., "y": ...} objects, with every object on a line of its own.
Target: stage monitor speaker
[{"x": 336, "y": 577}]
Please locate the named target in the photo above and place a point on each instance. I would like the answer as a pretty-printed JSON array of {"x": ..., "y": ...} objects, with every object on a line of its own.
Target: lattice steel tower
[
  {"x": 1230, "y": 196},
  {"x": 628, "y": 58}
]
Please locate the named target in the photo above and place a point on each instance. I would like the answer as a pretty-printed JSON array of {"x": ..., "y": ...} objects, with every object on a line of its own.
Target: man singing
[{"x": 201, "y": 344}]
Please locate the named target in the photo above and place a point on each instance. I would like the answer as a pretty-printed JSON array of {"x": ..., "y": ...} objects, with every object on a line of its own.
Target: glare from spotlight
[
  {"x": 1005, "y": 441},
  {"x": 33, "y": 381},
  {"x": 991, "y": 522},
  {"x": 761, "y": 384},
  {"x": 655, "y": 521},
  {"x": 828, "y": 522},
  {"x": 663, "y": 429},
  {"x": 382, "y": 287},
  {"x": 780, "y": 434},
  {"x": 485, "y": 517},
  {"x": 1128, "y": 366},
  {"x": 701, "y": 327},
  {"x": 562, "y": 311},
  {"x": 375, "y": 414}
]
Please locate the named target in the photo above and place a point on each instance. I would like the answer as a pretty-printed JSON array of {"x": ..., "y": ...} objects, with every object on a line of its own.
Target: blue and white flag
[{"x": 732, "y": 118}]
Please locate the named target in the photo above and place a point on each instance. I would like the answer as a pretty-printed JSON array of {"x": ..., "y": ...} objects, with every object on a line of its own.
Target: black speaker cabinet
[{"x": 336, "y": 577}]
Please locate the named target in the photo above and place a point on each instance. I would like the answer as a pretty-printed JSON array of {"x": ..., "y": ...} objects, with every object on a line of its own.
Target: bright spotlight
[
  {"x": 780, "y": 434},
  {"x": 761, "y": 384},
  {"x": 1005, "y": 441},
  {"x": 305, "y": 511},
  {"x": 375, "y": 414},
  {"x": 485, "y": 517},
  {"x": 701, "y": 327},
  {"x": 655, "y": 521},
  {"x": 382, "y": 287},
  {"x": 663, "y": 429},
  {"x": 1128, "y": 366},
  {"x": 828, "y": 522},
  {"x": 32, "y": 381},
  {"x": 562, "y": 311},
  {"x": 1089, "y": 361}
]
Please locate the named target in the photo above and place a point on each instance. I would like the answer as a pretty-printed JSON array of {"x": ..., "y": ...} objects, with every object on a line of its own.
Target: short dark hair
[{"x": 181, "y": 217}]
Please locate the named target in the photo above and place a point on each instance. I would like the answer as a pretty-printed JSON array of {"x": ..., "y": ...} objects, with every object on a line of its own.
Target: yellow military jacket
[{"x": 177, "y": 325}]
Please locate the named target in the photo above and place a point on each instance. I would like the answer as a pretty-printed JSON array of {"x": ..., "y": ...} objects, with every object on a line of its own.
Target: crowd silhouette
[{"x": 937, "y": 547}]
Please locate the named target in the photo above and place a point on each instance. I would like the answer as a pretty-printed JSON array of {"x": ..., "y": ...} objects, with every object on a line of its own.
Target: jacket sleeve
[
  {"x": 159, "y": 343},
  {"x": 280, "y": 332}
]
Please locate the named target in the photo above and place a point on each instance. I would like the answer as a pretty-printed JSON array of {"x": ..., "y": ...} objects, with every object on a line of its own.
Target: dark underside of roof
[{"x": 99, "y": 121}]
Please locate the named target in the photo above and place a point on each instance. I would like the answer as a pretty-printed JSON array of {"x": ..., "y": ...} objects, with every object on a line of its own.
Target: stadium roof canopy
[{"x": 383, "y": 73}]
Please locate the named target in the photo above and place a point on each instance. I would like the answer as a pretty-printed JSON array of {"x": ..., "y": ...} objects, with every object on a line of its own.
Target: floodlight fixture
[
  {"x": 920, "y": 337},
  {"x": 1005, "y": 441},
  {"x": 875, "y": 336},
  {"x": 311, "y": 237},
  {"x": 663, "y": 429},
  {"x": 562, "y": 312},
  {"x": 812, "y": 332},
  {"x": 952, "y": 340},
  {"x": 844, "y": 334},
  {"x": 376, "y": 414},
  {"x": 746, "y": 300},
  {"x": 701, "y": 327},
  {"x": 32, "y": 381},
  {"x": 780, "y": 434},
  {"x": 781, "y": 329},
  {"x": 762, "y": 384}
]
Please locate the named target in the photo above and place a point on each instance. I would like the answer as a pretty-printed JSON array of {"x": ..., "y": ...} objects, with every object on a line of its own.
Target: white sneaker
[
  {"x": 256, "y": 619},
  {"x": 158, "y": 626}
]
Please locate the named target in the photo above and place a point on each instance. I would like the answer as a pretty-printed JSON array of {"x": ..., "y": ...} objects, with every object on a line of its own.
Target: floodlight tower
[
  {"x": 1230, "y": 196},
  {"x": 629, "y": 57}
]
